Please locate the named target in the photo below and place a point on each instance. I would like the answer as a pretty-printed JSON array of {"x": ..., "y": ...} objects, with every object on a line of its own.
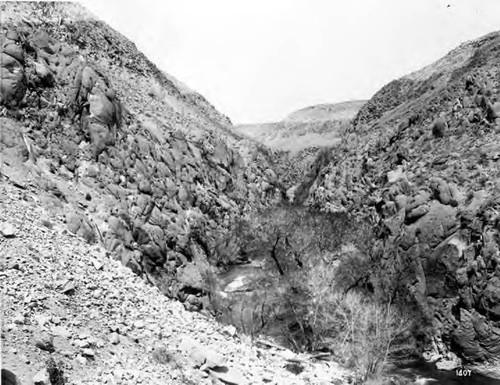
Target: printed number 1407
[{"x": 464, "y": 372}]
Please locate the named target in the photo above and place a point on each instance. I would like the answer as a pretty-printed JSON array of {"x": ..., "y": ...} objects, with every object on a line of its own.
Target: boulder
[
  {"x": 145, "y": 187},
  {"x": 101, "y": 108},
  {"x": 190, "y": 276},
  {"x": 41, "y": 39},
  {"x": 439, "y": 127},
  {"x": 201, "y": 355},
  {"x": 229, "y": 375},
  {"x": 494, "y": 111},
  {"x": 80, "y": 226},
  {"x": 449, "y": 364},
  {"x": 104, "y": 113},
  {"x": 15, "y": 51},
  {"x": 7, "y": 230},
  {"x": 100, "y": 136},
  {"x": 395, "y": 175},
  {"x": 418, "y": 206},
  {"x": 221, "y": 155},
  {"x": 8, "y": 377},
  {"x": 435, "y": 225},
  {"x": 443, "y": 192},
  {"x": 87, "y": 80},
  {"x": 13, "y": 82},
  {"x": 44, "y": 341},
  {"x": 42, "y": 378},
  {"x": 44, "y": 76}
]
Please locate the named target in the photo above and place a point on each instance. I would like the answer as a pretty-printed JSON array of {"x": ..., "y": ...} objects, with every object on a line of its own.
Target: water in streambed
[{"x": 250, "y": 298}]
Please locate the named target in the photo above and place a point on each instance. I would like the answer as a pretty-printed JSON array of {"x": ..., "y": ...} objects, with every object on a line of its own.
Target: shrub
[
  {"x": 361, "y": 332},
  {"x": 329, "y": 288}
]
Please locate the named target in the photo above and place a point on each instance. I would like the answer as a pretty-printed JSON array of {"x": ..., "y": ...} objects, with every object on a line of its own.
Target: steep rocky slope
[
  {"x": 315, "y": 126},
  {"x": 73, "y": 314},
  {"x": 420, "y": 162},
  {"x": 132, "y": 159}
]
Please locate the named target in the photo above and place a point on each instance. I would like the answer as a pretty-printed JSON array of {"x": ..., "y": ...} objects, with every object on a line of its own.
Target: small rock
[
  {"x": 231, "y": 376},
  {"x": 68, "y": 287},
  {"x": 82, "y": 343},
  {"x": 199, "y": 354},
  {"x": 88, "y": 353},
  {"x": 439, "y": 127},
  {"x": 84, "y": 335},
  {"x": 98, "y": 265},
  {"x": 229, "y": 330},
  {"x": 114, "y": 338},
  {"x": 395, "y": 175},
  {"x": 139, "y": 324},
  {"x": 81, "y": 359},
  {"x": 47, "y": 223},
  {"x": 117, "y": 328},
  {"x": 7, "y": 230},
  {"x": 294, "y": 367},
  {"x": 214, "y": 359},
  {"x": 41, "y": 378},
  {"x": 18, "y": 319},
  {"x": 45, "y": 342}
]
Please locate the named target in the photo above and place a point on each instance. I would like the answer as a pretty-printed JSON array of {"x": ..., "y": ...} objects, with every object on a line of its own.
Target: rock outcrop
[
  {"x": 131, "y": 158},
  {"x": 420, "y": 162}
]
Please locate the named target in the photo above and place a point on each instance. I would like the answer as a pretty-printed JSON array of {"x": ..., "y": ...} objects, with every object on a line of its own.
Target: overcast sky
[{"x": 259, "y": 60}]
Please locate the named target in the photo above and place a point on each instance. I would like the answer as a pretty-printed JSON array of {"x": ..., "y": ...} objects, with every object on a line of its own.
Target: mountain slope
[
  {"x": 129, "y": 156},
  {"x": 420, "y": 162},
  {"x": 315, "y": 126}
]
